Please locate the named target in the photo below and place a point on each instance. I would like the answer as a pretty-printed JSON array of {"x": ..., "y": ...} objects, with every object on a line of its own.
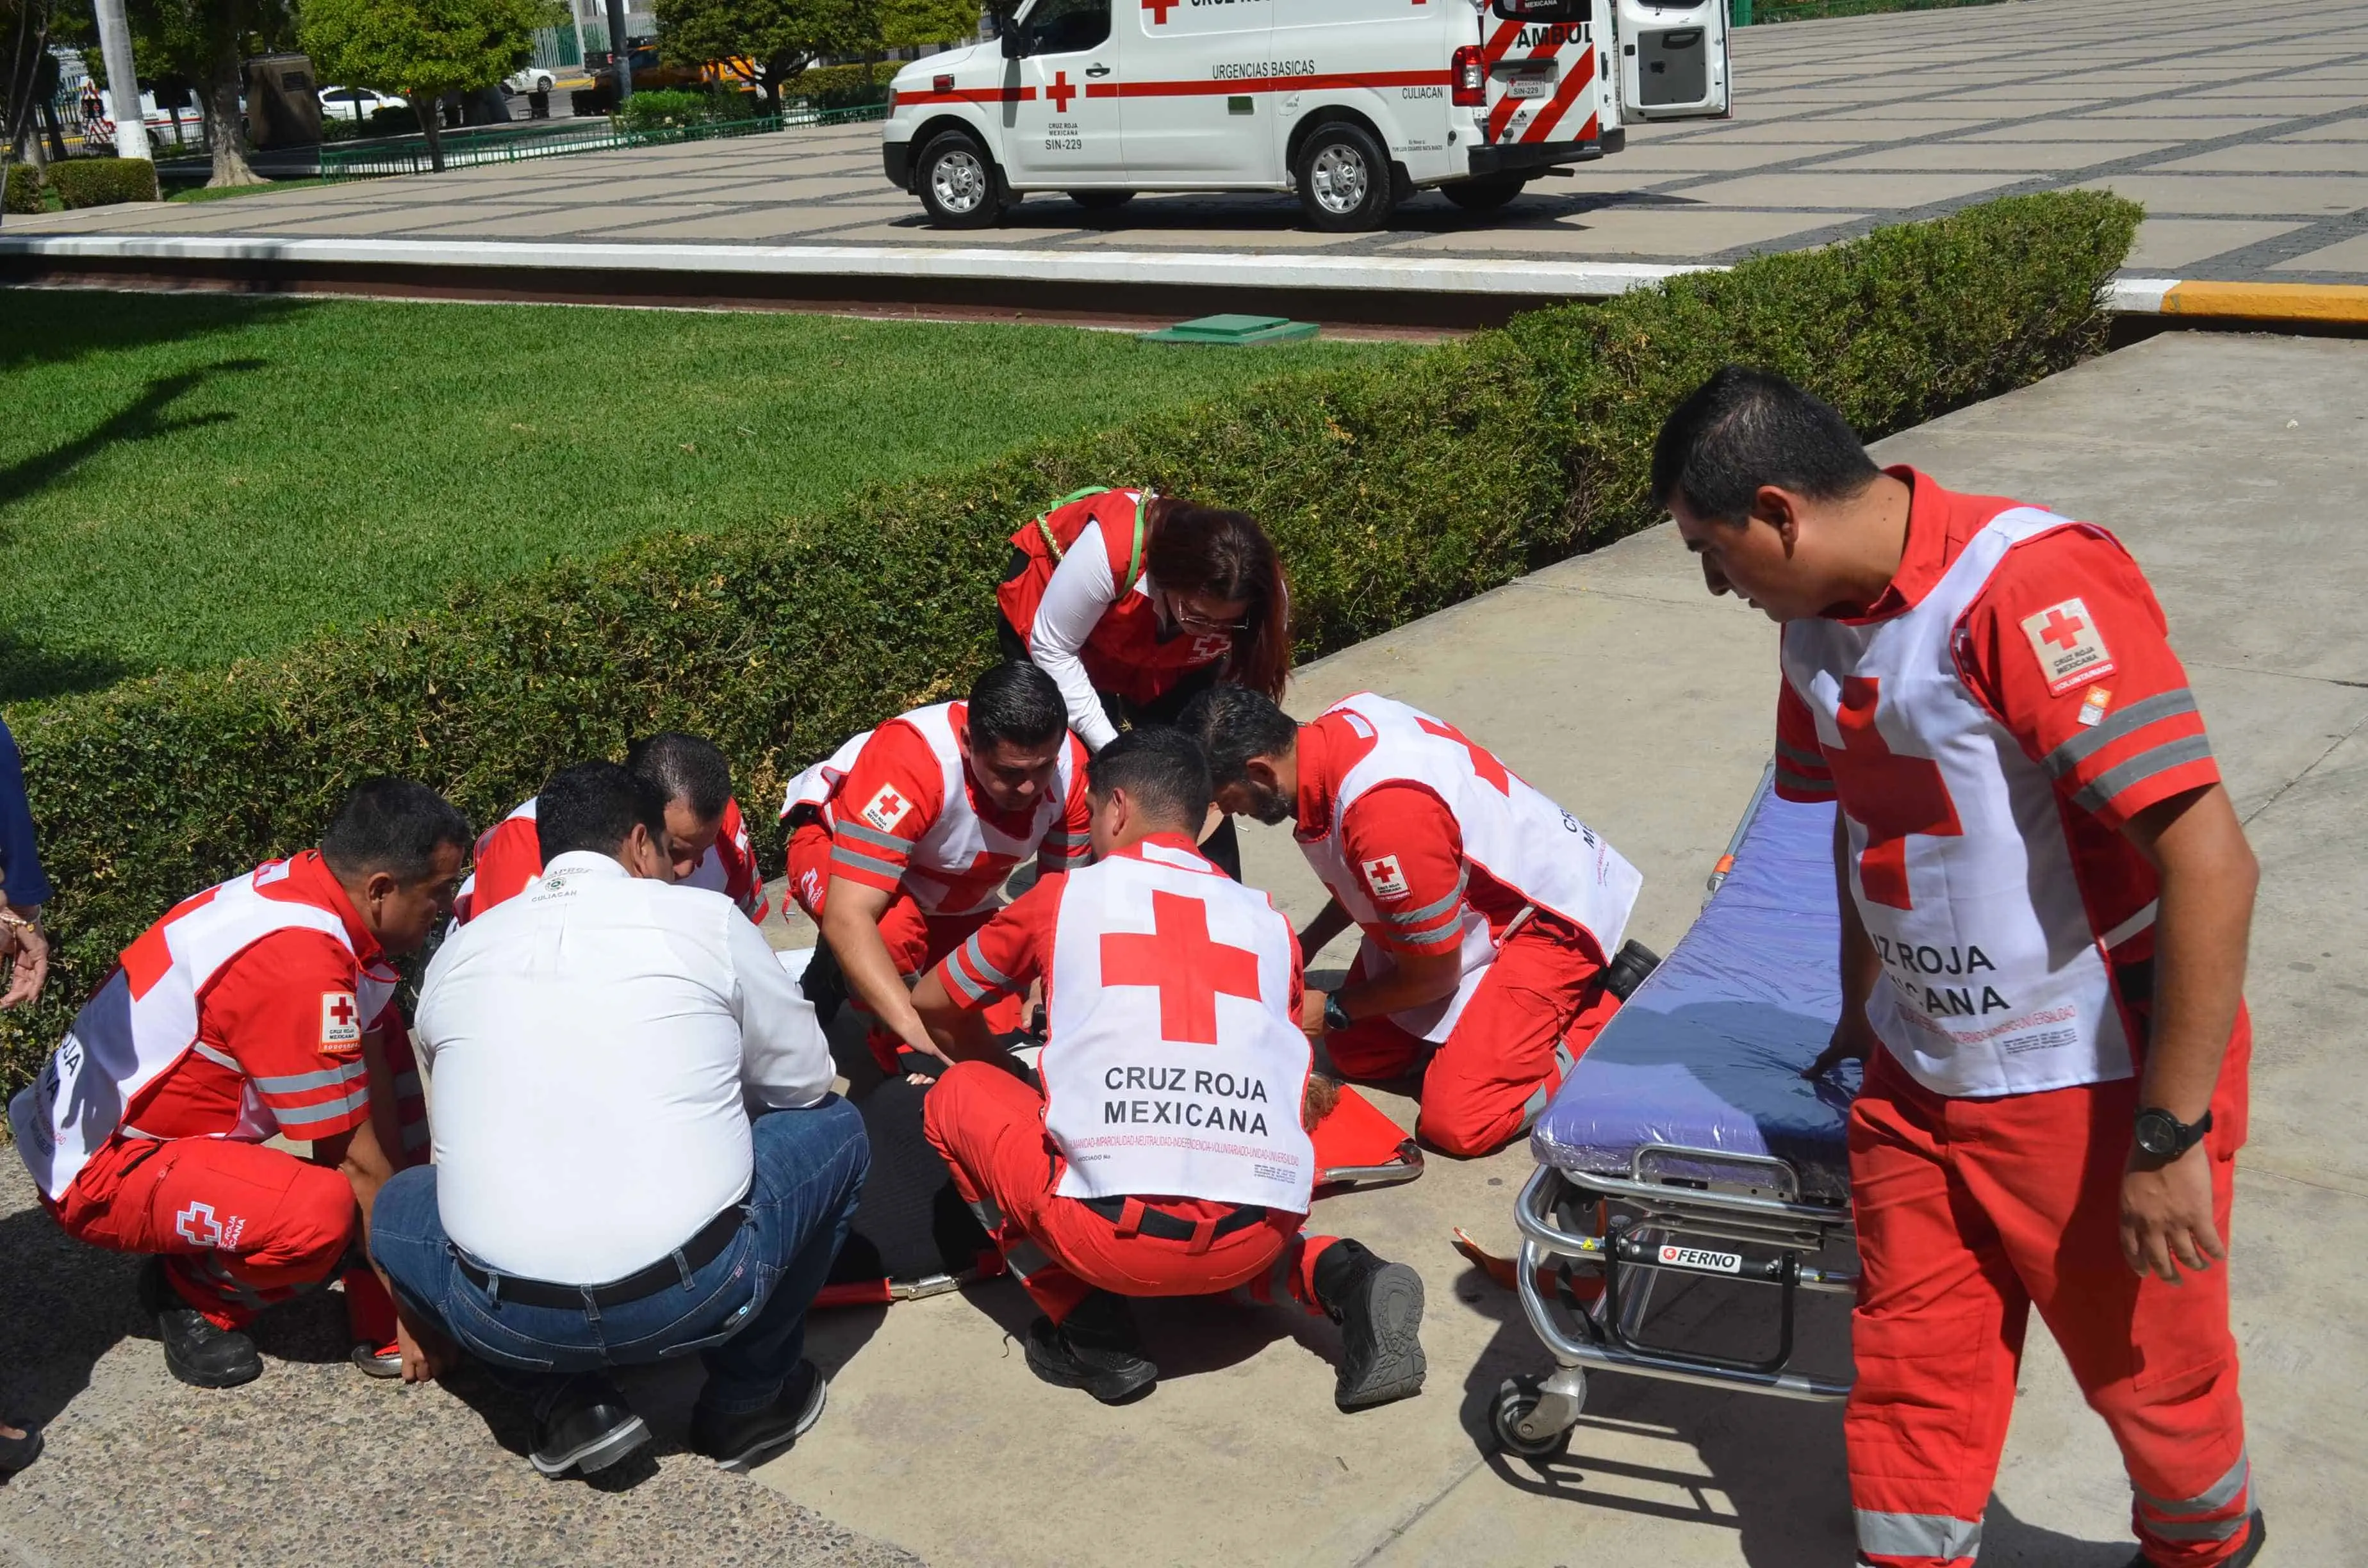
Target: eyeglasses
[{"x": 1192, "y": 620}]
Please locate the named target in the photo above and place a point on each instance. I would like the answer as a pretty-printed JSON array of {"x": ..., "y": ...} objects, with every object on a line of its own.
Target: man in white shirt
[{"x": 601, "y": 1196}]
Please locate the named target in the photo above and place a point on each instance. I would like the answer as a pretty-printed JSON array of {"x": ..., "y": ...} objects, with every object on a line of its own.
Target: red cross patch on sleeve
[
  {"x": 341, "y": 1019},
  {"x": 1385, "y": 876},
  {"x": 887, "y": 808},
  {"x": 2070, "y": 650}
]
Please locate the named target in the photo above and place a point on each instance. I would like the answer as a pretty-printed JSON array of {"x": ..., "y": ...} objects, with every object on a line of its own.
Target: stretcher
[{"x": 1686, "y": 1143}]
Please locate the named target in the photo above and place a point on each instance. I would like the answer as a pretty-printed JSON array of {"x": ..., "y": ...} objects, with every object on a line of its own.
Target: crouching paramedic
[
  {"x": 1487, "y": 910},
  {"x": 2045, "y": 895},
  {"x": 707, "y": 840},
  {"x": 900, "y": 843},
  {"x": 255, "y": 1008},
  {"x": 1165, "y": 1155}
]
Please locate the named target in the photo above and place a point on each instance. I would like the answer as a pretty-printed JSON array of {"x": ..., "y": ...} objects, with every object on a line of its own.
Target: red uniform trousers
[
  {"x": 915, "y": 939},
  {"x": 989, "y": 1125},
  {"x": 240, "y": 1226},
  {"x": 1533, "y": 1014},
  {"x": 1972, "y": 1211}
]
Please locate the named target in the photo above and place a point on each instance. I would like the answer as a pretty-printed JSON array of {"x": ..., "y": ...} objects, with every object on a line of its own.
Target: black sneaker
[
  {"x": 1379, "y": 1308},
  {"x": 196, "y": 1351},
  {"x": 734, "y": 1442},
  {"x": 585, "y": 1426},
  {"x": 1095, "y": 1349},
  {"x": 2243, "y": 1557}
]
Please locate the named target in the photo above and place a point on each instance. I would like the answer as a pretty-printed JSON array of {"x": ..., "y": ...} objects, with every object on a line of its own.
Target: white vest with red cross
[
  {"x": 950, "y": 850},
  {"x": 1175, "y": 1068},
  {"x": 1522, "y": 839},
  {"x": 1996, "y": 981},
  {"x": 145, "y": 1019}
]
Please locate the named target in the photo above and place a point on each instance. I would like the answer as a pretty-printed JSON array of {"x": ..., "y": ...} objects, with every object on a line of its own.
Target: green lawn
[{"x": 188, "y": 480}]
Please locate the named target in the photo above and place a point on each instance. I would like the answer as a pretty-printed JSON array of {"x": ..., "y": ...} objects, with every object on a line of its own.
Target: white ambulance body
[{"x": 1354, "y": 104}]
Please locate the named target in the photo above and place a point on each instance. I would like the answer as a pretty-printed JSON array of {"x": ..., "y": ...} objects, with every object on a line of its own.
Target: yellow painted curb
[{"x": 2269, "y": 301}]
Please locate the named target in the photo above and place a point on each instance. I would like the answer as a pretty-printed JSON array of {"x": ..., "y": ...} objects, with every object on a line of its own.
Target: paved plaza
[{"x": 2243, "y": 129}]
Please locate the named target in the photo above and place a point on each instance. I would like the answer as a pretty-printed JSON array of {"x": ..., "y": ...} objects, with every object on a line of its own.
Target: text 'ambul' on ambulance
[{"x": 1353, "y": 104}]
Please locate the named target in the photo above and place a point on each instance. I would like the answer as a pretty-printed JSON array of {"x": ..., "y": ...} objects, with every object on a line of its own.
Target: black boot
[
  {"x": 1379, "y": 1308},
  {"x": 1094, "y": 1349},
  {"x": 583, "y": 1423},
  {"x": 2243, "y": 1557},
  {"x": 734, "y": 1442},
  {"x": 196, "y": 1351}
]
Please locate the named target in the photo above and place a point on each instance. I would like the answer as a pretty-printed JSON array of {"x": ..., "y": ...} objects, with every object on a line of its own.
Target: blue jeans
[{"x": 744, "y": 1311}]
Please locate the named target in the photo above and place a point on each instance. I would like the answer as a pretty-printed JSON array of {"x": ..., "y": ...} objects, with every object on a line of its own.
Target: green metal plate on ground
[{"x": 1234, "y": 331}]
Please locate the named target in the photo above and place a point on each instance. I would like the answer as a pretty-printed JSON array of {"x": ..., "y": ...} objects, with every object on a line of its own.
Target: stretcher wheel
[{"x": 1517, "y": 1402}]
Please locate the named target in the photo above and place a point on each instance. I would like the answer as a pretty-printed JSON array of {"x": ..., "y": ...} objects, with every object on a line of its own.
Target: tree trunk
[
  {"x": 431, "y": 126},
  {"x": 222, "y": 132}
]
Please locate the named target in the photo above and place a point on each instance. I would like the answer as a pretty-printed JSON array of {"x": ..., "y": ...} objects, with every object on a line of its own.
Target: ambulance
[{"x": 1354, "y": 105}]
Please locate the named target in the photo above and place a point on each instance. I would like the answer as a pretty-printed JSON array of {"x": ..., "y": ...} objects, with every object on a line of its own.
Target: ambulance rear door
[
  {"x": 1673, "y": 58},
  {"x": 1542, "y": 67}
]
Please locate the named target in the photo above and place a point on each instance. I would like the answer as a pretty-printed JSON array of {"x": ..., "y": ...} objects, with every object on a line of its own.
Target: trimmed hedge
[
  {"x": 1391, "y": 493},
  {"x": 23, "y": 193},
  {"x": 843, "y": 86},
  {"x": 658, "y": 108},
  {"x": 103, "y": 182}
]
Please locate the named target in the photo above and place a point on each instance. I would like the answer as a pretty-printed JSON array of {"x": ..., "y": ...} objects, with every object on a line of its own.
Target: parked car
[
  {"x": 357, "y": 104},
  {"x": 533, "y": 79}
]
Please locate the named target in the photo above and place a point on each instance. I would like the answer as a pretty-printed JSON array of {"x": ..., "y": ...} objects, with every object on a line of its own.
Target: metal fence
[{"x": 467, "y": 149}]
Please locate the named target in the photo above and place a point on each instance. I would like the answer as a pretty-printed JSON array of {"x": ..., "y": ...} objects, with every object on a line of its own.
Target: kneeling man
[
  {"x": 600, "y": 1196},
  {"x": 1164, "y": 1155},
  {"x": 1488, "y": 911}
]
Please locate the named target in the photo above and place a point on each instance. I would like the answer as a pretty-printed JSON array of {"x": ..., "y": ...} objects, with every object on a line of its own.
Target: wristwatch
[
  {"x": 1336, "y": 1017},
  {"x": 2166, "y": 1137}
]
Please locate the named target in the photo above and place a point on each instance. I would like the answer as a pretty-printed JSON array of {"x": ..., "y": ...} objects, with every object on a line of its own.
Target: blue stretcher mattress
[{"x": 1708, "y": 1052}]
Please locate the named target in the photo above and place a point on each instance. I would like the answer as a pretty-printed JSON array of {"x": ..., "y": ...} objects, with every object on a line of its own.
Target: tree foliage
[
  {"x": 905, "y": 24},
  {"x": 420, "y": 48},
  {"x": 765, "y": 42},
  {"x": 208, "y": 43}
]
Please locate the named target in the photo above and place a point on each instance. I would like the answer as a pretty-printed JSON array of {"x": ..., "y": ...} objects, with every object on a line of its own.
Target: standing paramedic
[
  {"x": 900, "y": 844},
  {"x": 1166, "y": 1154},
  {"x": 637, "y": 1151},
  {"x": 2046, "y": 895},
  {"x": 706, "y": 838},
  {"x": 1134, "y": 602},
  {"x": 1489, "y": 912},
  {"x": 261, "y": 1007}
]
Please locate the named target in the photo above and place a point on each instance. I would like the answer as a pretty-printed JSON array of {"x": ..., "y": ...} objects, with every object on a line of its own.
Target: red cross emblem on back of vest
[
  {"x": 1492, "y": 772},
  {"x": 1893, "y": 797},
  {"x": 1189, "y": 969}
]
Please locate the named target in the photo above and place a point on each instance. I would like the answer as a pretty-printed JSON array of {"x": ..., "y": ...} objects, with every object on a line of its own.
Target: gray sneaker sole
[
  {"x": 1394, "y": 1309},
  {"x": 590, "y": 1459}
]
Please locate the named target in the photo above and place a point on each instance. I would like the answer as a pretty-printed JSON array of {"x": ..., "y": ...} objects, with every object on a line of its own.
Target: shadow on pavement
[{"x": 68, "y": 1305}]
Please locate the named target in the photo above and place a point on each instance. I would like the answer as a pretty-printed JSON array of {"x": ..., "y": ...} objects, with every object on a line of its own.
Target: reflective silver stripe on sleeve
[
  {"x": 312, "y": 1115},
  {"x": 872, "y": 835},
  {"x": 219, "y": 1058},
  {"x": 1801, "y": 758},
  {"x": 2113, "y": 727},
  {"x": 1801, "y": 786},
  {"x": 298, "y": 1083},
  {"x": 1917, "y": 1535},
  {"x": 1434, "y": 909},
  {"x": 2145, "y": 766},
  {"x": 842, "y": 855},
  {"x": 964, "y": 983},
  {"x": 407, "y": 1085},
  {"x": 977, "y": 957},
  {"x": 2210, "y": 1500},
  {"x": 2130, "y": 928}
]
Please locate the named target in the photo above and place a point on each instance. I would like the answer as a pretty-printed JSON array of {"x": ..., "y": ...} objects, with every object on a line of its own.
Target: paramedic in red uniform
[
  {"x": 706, "y": 838},
  {"x": 2046, "y": 898},
  {"x": 1173, "y": 991},
  {"x": 1134, "y": 602},
  {"x": 1487, "y": 911},
  {"x": 900, "y": 843},
  {"x": 259, "y": 1007}
]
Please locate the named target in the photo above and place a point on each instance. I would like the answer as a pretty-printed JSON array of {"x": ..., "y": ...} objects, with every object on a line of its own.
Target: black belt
[
  {"x": 675, "y": 1269},
  {"x": 1175, "y": 1227}
]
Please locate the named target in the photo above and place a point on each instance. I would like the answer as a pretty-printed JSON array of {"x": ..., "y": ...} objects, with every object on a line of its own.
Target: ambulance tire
[
  {"x": 1101, "y": 200},
  {"x": 1484, "y": 194},
  {"x": 1344, "y": 181},
  {"x": 959, "y": 184}
]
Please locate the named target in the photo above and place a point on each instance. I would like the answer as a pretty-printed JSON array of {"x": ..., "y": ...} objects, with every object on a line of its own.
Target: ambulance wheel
[
  {"x": 958, "y": 184},
  {"x": 1101, "y": 200},
  {"x": 1517, "y": 1400},
  {"x": 1483, "y": 195},
  {"x": 1344, "y": 178}
]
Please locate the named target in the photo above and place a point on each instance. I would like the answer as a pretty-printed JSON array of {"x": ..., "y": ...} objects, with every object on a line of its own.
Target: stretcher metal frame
[{"x": 1678, "y": 1210}]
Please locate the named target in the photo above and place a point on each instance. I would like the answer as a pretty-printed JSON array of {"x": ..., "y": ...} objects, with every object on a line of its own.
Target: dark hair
[
  {"x": 393, "y": 825},
  {"x": 1018, "y": 702},
  {"x": 1161, "y": 768},
  {"x": 1203, "y": 549},
  {"x": 1744, "y": 428},
  {"x": 1232, "y": 724},
  {"x": 683, "y": 767},
  {"x": 594, "y": 806}
]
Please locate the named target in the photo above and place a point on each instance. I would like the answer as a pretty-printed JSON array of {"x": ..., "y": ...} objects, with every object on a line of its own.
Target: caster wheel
[{"x": 1516, "y": 1404}]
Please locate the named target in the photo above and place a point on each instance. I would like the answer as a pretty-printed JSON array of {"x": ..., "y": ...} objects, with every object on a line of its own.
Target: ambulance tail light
[{"x": 1470, "y": 75}]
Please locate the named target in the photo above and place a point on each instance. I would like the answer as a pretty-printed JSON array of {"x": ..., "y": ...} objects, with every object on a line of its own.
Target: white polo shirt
[{"x": 589, "y": 1041}]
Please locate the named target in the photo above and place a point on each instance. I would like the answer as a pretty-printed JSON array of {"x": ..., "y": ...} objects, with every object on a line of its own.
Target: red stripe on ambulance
[
  {"x": 969, "y": 96},
  {"x": 1269, "y": 84},
  {"x": 1575, "y": 82}
]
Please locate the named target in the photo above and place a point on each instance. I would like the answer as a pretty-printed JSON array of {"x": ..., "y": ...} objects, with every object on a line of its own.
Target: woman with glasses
[{"x": 1133, "y": 602}]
